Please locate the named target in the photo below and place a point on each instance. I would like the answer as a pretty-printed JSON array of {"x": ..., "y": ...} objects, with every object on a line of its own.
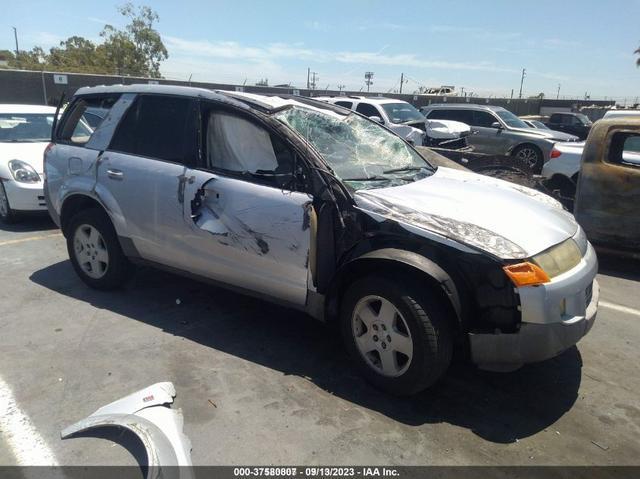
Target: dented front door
[{"x": 249, "y": 235}]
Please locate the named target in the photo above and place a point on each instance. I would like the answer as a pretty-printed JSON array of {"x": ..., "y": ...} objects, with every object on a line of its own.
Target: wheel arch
[
  {"x": 75, "y": 203},
  {"x": 522, "y": 144},
  {"x": 399, "y": 261}
]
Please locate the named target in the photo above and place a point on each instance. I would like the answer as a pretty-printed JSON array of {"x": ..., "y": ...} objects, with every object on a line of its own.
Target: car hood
[
  {"x": 536, "y": 132},
  {"x": 447, "y": 129},
  {"x": 506, "y": 220},
  {"x": 561, "y": 136},
  {"x": 31, "y": 153}
]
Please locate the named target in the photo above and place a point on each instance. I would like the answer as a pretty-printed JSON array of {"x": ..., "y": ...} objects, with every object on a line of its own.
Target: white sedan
[{"x": 25, "y": 131}]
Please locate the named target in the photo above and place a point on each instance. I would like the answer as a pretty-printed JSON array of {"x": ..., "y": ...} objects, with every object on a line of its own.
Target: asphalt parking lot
[{"x": 259, "y": 384}]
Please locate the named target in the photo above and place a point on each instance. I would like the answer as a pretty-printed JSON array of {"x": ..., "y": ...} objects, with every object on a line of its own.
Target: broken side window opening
[
  {"x": 363, "y": 154},
  {"x": 238, "y": 147}
]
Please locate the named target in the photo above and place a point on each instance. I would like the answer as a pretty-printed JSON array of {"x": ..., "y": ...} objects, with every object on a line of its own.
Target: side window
[
  {"x": 84, "y": 116},
  {"x": 483, "y": 119},
  {"x": 463, "y": 116},
  {"x": 368, "y": 110},
  {"x": 625, "y": 149},
  {"x": 160, "y": 127},
  {"x": 555, "y": 118},
  {"x": 242, "y": 148},
  {"x": 346, "y": 104}
]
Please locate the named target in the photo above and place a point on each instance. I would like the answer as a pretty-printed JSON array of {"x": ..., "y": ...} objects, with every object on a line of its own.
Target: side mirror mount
[
  {"x": 497, "y": 125},
  {"x": 376, "y": 118}
]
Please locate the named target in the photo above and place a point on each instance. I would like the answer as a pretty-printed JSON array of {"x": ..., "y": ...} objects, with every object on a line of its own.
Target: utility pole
[
  {"x": 340, "y": 86},
  {"x": 402, "y": 80},
  {"x": 314, "y": 80},
  {"x": 308, "y": 73},
  {"x": 558, "y": 94},
  {"x": 524, "y": 74},
  {"x": 368, "y": 79},
  {"x": 15, "y": 35},
  {"x": 511, "y": 94}
]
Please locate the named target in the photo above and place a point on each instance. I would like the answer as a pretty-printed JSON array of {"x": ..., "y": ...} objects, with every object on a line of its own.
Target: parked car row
[
  {"x": 497, "y": 131},
  {"x": 406, "y": 121}
]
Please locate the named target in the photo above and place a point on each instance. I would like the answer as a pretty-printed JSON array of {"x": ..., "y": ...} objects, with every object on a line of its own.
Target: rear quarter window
[
  {"x": 345, "y": 104},
  {"x": 83, "y": 117},
  {"x": 625, "y": 149}
]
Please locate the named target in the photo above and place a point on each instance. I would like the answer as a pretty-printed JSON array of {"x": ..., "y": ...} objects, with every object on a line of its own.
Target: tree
[
  {"x": 637, "y": 52},
  {"x": 75, "y": 54},
  {"x": 135, "y": 51},
  {"x": 138, "y": 49}
]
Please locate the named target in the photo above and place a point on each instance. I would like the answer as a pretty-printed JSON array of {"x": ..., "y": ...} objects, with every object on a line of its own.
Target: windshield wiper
[
  {"x": 370, "y": 178},
  {"x": 406, "y": 168}
]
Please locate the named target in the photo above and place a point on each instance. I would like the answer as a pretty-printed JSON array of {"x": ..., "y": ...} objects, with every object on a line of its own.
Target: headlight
[
  {"x": 23, "y": 172},
  {"x": 559, "y": 259}
]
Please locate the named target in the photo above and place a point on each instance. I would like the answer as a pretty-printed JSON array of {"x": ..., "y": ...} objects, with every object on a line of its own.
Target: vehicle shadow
[
  {"x": 30, "y": 223},
  {"x": 499, "y": 407},
  {"x": 618, "y": 266}
]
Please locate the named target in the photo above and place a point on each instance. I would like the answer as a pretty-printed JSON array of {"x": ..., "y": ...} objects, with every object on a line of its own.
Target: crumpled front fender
[{"x": 146, "y": 414}]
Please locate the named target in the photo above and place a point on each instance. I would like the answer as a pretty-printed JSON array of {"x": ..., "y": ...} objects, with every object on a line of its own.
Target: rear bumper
[
  {"x": 555, "y": 316},
  {"x": 25, "y": 196}
]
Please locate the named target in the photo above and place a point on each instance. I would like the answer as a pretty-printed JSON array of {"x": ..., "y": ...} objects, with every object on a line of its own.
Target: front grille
[{"x": 588, "y": 294}]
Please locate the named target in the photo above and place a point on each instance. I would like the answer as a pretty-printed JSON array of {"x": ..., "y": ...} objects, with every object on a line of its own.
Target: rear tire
[
  {"x": 531, "y": 156},
  {"x": 398, "y": 333},
  {"x": 7, "y": 215},
  {"x": 95, "y": 251}
]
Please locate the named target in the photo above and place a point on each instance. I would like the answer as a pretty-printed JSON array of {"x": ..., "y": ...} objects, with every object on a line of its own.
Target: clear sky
[{"x": 583, "y": 45}]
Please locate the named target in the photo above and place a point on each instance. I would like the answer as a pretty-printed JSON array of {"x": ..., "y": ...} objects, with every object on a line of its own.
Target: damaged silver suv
[{"x": 324, "y": 210}]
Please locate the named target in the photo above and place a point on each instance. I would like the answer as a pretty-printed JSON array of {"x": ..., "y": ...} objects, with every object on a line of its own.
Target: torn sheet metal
[{"x": 147, "y": 414}]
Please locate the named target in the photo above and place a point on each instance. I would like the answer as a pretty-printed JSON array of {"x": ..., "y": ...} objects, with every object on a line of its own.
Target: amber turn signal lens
[{"x": 526, "y": 274}]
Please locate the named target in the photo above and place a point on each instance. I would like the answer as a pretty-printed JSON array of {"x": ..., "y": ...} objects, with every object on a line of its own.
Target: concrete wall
[{"x": 31, "y": 87}]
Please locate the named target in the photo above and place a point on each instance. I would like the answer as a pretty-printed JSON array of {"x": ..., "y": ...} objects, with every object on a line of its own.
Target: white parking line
[
  {"x": 28, "y": 447},
  {"x": 619, "y": 308}
]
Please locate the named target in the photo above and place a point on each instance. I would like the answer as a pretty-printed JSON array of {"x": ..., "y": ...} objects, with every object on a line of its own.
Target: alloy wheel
[
  {"x": 528, "y": 155},
  {"x": 91, "y": 251},
  {"x": 382, "y": 336}
]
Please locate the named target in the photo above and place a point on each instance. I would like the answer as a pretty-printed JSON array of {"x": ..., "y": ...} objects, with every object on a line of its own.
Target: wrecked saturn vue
[{"x": 324, "y": 210}]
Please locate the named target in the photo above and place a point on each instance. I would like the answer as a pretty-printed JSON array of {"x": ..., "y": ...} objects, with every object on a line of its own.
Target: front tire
[
  {"x": 398, "y": 333},
  {"x": 95, "y": 251},
  {"x": 7, "y": 215}
]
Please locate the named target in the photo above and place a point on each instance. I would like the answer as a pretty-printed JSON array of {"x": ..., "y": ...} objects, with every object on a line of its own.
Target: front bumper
[
  {"x": 25, "y": 196},
  {"x": 555, "y": 316}
]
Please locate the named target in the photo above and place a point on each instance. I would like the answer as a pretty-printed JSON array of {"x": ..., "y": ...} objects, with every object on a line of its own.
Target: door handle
[{"x": 115, "y": 174}]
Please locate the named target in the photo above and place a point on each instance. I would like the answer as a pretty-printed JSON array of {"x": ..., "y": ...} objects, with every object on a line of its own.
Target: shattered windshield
[
  {"x": 359, "y": 151},
  {"x": 402, "y": 112}
]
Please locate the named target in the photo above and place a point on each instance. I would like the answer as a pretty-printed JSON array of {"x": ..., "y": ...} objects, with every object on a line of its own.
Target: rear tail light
[{"x": 555, "y": 153}]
